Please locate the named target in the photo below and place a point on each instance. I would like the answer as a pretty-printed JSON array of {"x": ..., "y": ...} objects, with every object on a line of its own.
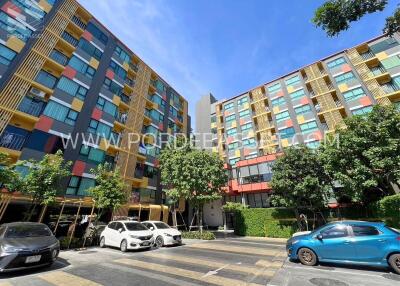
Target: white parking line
[
  {"x": 256, "y": 243},
  {"x": 332, "y": 271}
]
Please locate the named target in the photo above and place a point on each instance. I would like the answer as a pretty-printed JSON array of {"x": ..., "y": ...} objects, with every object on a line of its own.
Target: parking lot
[{"x": 231, "y": 261}]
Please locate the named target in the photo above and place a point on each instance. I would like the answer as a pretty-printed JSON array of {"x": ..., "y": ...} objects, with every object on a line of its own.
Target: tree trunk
[
  {"x": 33, "y": 207},
  {"x": 174, "y": 221},
  {"x": 201, "y": 218}
]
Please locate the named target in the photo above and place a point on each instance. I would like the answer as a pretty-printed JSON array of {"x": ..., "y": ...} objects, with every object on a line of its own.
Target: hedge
[
  {"x": 279, "y": 228},
  {"x": 389, "y": 208},
  {"x": 206, "y": 235}
]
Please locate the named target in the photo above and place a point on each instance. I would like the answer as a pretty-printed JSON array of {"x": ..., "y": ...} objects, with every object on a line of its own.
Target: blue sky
[{"x": 225, "y": 46}]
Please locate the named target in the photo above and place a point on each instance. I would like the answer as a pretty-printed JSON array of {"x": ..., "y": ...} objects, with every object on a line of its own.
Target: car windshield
[
  {"x": 20, "y": 231},
  {"x": 132, "y": 226},
  {"x": 318, "y": 229},
  {"x": 161, "y": 225}
]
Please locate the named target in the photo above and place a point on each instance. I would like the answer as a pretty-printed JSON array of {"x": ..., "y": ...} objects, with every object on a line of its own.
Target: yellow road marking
[
  {"x": 216, "y": 280},
  {"x": 215, "y": 264},
  {"x": 236, "y": 249},
  {"x": 5, "y": 284},
  {"x": 61, "y": 278},
  {"x": 269, "y": 264}
]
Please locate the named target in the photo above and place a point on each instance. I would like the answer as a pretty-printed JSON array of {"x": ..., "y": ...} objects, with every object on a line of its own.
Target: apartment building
[
  {"x": 251, "y": 128},
  {"x": 64, "y": 75}
]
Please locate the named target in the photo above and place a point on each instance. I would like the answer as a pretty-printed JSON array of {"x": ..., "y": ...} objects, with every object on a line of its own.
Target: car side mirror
[
  {"x": 120, "y": 230},
  {"x": 151, "y": 228},
  {"x": 319, "y": 237}
]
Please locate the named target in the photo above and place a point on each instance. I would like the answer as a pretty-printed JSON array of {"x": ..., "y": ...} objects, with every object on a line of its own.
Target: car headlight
[
  {"x": 167, "y": 234},
  {"x": 134, "y": 236},
  {"x": 10, "y": 249}
]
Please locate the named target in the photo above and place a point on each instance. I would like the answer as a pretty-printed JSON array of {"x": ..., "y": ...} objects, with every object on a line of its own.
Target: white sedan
[
  {"x": 126, "y": 235},
  {"x": 163, "y": 233}
]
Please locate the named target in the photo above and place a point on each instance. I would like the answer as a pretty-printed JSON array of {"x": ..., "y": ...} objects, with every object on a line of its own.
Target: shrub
[
  {"x": 280, "y": 228},
  {"x": 206, "y": 235},
  {"x": 390, "y": 210},
  {"x": 75, "y": 242},
  {"x": 232, "y": 207}
]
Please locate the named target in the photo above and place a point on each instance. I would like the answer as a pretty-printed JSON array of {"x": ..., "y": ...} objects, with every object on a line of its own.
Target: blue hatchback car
[{"x": 349, "y": 242}]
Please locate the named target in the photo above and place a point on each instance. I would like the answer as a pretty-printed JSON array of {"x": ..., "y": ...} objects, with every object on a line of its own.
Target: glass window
[
  {"x": 244, "y": 172},
  {"x": 292, "y": 80},
  {"x": 354, "y": 94},
  {"x": 90, "y": 49},
  {"x": 231, "y": 132},
  {"x": 250, "y": 142},
  {"x": 46, "y": 79},
  {"x": 85, "y": 184},
  {"x": 30, "y": 8},
  {"x": 335, "y": 63},
  {"x": 303, "y": 109},
  {"x": 244, "y": 113},
  {"x": 72, "y": 88},
  {"x": 246, "y": 126},
  {"x": 243, "y": 100},
  {"x": 230, "y": 118},
  {"x": 287, "y": 132},
  {"x": 383, "y": 45},
  {"x": 297, "y": 94},
  {"x": 364, "y": 230},
  {"x": 308, "y": 127},
  {"x": 335, "y": 232},
  {"x": 118, "y": 70},
  {"x": 274, "y": 87},
  {"x": 282, "y": 116},
  {"x": 97, "y": 33},
  {"x": 229, "y": 106},
  {"x": 122, "y": 54},
  {"x": 278, "y": 101},
  {"x": 362, "y": 110},
  {"x": 82, "y": 67},
  {"x": 344, "y": 77},
  {"x": 60, "y": 112},
  {"x": 14, "y": 27},
  {"x": 233, "y": 146},
  {"x": 313, "y": 144},
  {"x": 112, "y": 86},
  {"x": 101, "y": 129},
  {"x": 6, "y": 55},
  {"x": 106, "y": 106},
  {"x": 391, "y": 62},
  {"x": 233, "y": 161}
]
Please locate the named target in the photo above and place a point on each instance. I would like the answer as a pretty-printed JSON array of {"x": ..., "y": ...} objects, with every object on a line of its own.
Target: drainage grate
[{"x": 327, "y": 282}]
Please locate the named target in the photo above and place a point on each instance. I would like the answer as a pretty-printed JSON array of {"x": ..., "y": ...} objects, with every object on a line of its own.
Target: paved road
[{"x": 232, "y": 261}]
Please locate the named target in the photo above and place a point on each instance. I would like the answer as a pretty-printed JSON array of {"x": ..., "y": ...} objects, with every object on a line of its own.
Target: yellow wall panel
[
  {"x": 285, "y": 143},
  {"x": 94, "y": 63},
  {"x": 77, "y": 104},
  {"x": 214, "y": 125},
  {"x": 246, "y": 105},
  {"x": 381, "y": 56},
  {"x": 15, "y": 44},
  {"x": 45, "y": 5},
  {"x": 116, "y": 100},
  {"x": 290, "y": 89},
  {"x": 144, "y": 183},
  {"x": 275, "y": 109},
  {"x": 237, "y": 153},
  {"x": 234, "y": 124},
  {"x": 126, "y": 66},
  {"x": 343, "y": 87},
  {"x": 300, "y": 119},
  {"x": 103, "y": 144}
]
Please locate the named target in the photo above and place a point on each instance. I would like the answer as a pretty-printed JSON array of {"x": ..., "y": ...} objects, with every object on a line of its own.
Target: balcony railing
[
  {"x": 125, "y": 98},
  {"x": 153, "y": 82},
  {"x": 338, "y": 103},
  {"x": 59, "y": 57},
  {"x": 129, "y": 81},
  {"x": 79, "y": 22},
  {"x": 122, "y": 117},
  {"x": 69, "y": 38},
  {"x": 325, "y": 126},
  {"x": 134, "y": 67},
  {"x": 390, "y": 87},
  {"x": 11, "y": 140},
  {"x": 378, "y": 70},
  {"x": 367, "y": 55},
  {"x": 115, "y": 138},
  {"x": 32, "y": 106}
]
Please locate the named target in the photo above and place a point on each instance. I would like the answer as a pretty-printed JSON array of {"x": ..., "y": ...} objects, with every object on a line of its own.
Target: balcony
[
  {"x": 115, "y": 139},
  {"x": 79, "y": 22},
  {"x": 139, "y": 172},
  {"x": 59, "y": 57},
  {"x": 153, "y": 82},
  {"x": 325, "y": 127},
  {"x": 32, "y": 106},
  {"x": 129, "y": 81},
  {"x": 367, "y": 55},
  {"x": 134, "y": 67},
  {"x": 122, "y": 117},
  {"x": 110, "y": 160},
  {"x": 378, "y": 70},
  {"x": 11, "y": 140},
  {"x": 338, "y": 103},
  {"x": 147, "y": 113},
  {"x": 317, "y": 108},
  {"x": 389, "y": 87},
  {"x": 69, "y": 38},
  {"x": 126, "y": 99}
]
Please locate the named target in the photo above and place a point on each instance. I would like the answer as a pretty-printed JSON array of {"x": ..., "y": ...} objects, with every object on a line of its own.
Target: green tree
[
  {"x": 299, "y": 181},
  {"x": 366, "y": 160},
  {"x": 335, "y": 16},
  {"x": 9, "y": 178},
  {"x": 44, "y": 179},
  {"x": 109, "y": 193},
  {"x": 195, "y": 175}
]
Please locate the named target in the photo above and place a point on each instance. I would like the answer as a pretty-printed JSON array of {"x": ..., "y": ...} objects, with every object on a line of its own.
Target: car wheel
[
  {"x": 394, "y": 262},
  {"x": 307, "y": 256},
  {"x": 103, "y": 242},
  {"x": 159, "y": 242},
  {"x": 124, "y": 246}
]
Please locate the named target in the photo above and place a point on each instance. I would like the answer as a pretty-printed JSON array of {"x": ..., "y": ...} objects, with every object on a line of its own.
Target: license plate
[
  {"x": 146, "y": 243},
  {"x": 32, "y": 259}
]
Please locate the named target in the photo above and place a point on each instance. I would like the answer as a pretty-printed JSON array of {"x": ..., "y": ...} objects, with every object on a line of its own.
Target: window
[
  {"x": 303, "y": 109},
  {"x": 72, "y": 88},
  {"x": 112, "y": 86},
  {"x": 362, "y": 110},
  {"x": 383, "y": 45},
  {"x": 274, "y": 87},
  {"x": 149, "y": 171},
  {"x": 251, "y": 142},
  {"x": 233, "y": 161},
  {"x": 297, "y": 94},
  {"x": 30, "y": 8},
  {"x": 106, "y": 106},
  {"x": 344, "y": 77},
  {"x": 229, "y": 106},
  {"x": 78, "y": 186},
  {"x": 353, "y": 94},
  {"x": 230, "y": 118},
  {"x": 122, "y": 54},
  {"x": 81, "y": 67},
  {"x": 335, "y": 63},
  {"x": 101, "y": 129},
  {"x": 278, "y": 101},
  {"x": 6, "y": 55},
  {"x": 292, "y": 80},
  {"x": 97, "y": 33},
  {"x": 231, "y": 132},
  {"x": 364, "y": 230},
  {"x": 14, "y": 27},
  {"x": 156, "y": 116},
  {"x": 118, "y": 70},
  {"x": 243, "y": 100},
  {"x": 246, "y": 126},
  {"x": 233, "y": 146},
  {"x": 90, "y": 49},
  {"x": 213, "y": 119},
  {"x": 60, "y": 112},
  {"x": 335, "y": 232},
  {"x": 92, "y": 154},
  {"x": 313, "y": 144},
  {"x": 308, "y": 127},
  {"x": 244, "y": 113},
  {"x": 287, "y": 132},
  {"x": 46, "y": 79},
  {"x": 173, "y": 112},
  {"x": 391, "y": 62},
  {"x": 59, "y": 57},
  {"x": 282, "y": 116}
]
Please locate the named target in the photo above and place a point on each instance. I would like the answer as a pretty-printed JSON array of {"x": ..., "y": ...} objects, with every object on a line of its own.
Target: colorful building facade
[{"x": 66, "y": 78}]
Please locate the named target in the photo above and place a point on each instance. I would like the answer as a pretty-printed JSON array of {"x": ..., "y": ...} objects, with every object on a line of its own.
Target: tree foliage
[
  {"x": 335, "y": 16},
  {"x": 109, "y": 193},
  {"x": 299, "y": 180},
  {"x": 366, "y": 162},
  {"x": 9, "y": 178},
  {"x": 44, "y": 178}
]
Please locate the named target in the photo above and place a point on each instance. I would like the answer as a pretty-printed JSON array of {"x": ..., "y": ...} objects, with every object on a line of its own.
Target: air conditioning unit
[{"x": 37, "y": 92}]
